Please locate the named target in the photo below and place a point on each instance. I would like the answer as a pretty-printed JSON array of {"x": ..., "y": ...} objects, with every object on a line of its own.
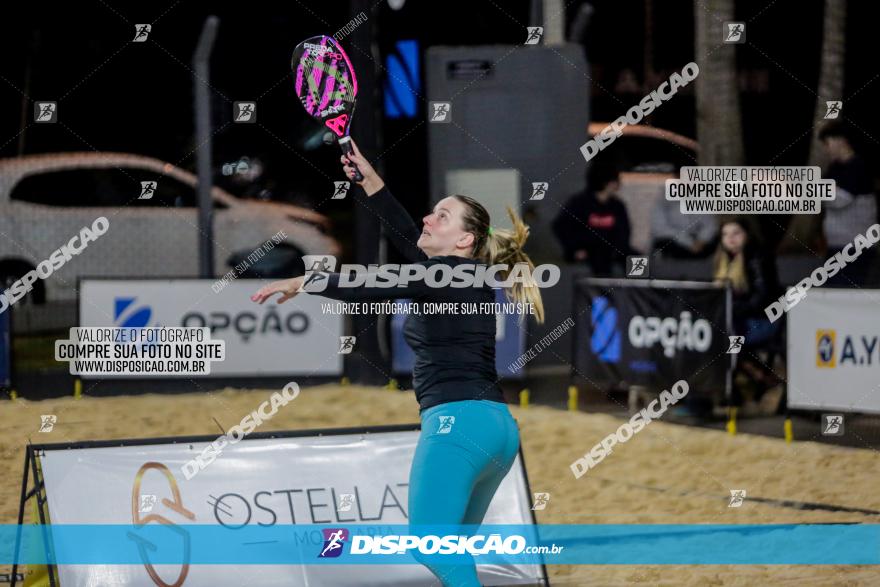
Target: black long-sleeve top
[
  {"x": 455, "y": 353},
  {"x": 761, "y": 276}
]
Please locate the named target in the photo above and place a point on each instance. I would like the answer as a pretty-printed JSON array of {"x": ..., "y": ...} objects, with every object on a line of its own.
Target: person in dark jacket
[
  {"x": 752, "y": 281},
  {"x": 593, "y": 226},
  {"x": 853, "y": 209}
]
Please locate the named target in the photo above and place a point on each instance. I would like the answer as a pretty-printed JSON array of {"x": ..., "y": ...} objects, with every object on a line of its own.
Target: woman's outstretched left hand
[{"x": 288, "y": 288}]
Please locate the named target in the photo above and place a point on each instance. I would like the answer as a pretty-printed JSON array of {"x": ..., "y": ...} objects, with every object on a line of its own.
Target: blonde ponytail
[{"x": 504, "y": 246}]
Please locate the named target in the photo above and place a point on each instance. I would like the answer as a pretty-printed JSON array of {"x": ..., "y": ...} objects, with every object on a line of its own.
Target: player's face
[
  {"x": 733, "y": 238},
  {"x": 443, "y": 232}
]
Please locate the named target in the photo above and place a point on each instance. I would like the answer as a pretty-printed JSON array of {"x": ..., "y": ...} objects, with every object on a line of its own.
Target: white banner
[
  {"x": 293, "y": 338},
  {"x": 834, "y": 351},
  {"x": 291, "y": 480}
]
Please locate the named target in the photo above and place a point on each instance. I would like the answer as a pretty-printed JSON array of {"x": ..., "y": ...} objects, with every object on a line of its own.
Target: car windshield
[{"x": 105, "y": 187}]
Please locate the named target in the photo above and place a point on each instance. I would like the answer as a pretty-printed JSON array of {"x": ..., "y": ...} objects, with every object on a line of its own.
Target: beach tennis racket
[{"x": 326, "y": 86}]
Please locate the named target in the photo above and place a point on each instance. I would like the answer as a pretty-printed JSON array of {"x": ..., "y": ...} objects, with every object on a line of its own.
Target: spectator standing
[
  {"x": 855, "y": 207},
  {"x": 593, "y": 227}
]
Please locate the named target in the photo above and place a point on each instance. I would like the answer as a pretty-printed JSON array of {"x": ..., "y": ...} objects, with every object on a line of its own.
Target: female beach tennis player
[{"x": 469, "y": 438}]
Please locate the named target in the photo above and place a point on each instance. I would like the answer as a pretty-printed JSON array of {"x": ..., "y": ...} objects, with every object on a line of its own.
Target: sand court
[{"x": 666, "y": 474}]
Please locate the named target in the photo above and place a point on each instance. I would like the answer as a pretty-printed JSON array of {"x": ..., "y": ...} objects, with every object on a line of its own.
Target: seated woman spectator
[
  {"x": 753, "y": 283},
  {"x": 749, "y": 274}
]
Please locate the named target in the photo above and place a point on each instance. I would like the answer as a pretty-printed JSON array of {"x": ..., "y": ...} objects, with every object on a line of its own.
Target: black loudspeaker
[{"x": 502, "y": 122}]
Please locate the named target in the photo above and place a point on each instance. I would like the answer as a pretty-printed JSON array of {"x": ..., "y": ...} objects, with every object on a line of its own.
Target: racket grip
[{"x": 345, "y": 144}]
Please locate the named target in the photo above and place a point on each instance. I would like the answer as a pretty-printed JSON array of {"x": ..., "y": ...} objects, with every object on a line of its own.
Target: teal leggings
[{"x": 457, "y": 467}]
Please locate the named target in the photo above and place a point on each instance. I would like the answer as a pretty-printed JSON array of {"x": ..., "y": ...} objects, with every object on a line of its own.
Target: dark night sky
[{"x": 137, "y": 97}]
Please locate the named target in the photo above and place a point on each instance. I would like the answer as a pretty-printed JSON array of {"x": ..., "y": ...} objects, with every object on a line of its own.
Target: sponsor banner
[
  {"x": 834, "y": 351},
  {"x": 510, "y": 341},
  {"x": 633, "y": 332},
  {"x": 265, "y": 497},
  {"x": 293, "y": 338}
]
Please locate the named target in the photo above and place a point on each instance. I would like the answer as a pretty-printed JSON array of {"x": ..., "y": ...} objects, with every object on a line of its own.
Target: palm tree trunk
[
  {"x": 831, "y": 69},
  {"x": 805, "y": 230},
  {"x": 719, "y": 124},
  {"x": 648, "y": 66}
]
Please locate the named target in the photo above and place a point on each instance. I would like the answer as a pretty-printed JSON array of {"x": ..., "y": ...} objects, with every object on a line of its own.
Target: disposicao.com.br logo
[{"x": 393, "y": 544}]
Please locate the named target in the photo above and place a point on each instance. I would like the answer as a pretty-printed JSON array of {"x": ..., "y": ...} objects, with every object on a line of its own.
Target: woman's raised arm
[
  {"x": 399, "y": 225},
  {"x": 397, "y": 282}
]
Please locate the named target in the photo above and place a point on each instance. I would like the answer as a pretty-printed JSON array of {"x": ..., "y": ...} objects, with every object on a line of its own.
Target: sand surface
[{"x": 691, "y": 470}]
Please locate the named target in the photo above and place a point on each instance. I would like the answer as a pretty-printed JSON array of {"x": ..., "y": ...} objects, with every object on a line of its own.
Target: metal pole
[
  {"x": 536, "y": 13},
  {"x": 21, "y": 506},
  {"x": 39, "y": 486},
  {"x": 25, "y": 101},
  {"x": 367, "y": 366},
  {"x": 201, "y": 62}
]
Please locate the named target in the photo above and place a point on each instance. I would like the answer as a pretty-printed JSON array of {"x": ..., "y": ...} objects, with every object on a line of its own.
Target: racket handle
[{"x": 345, "y": 144}]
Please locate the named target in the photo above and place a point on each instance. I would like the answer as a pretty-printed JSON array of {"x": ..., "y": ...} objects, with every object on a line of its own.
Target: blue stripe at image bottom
[{"x": 599, "y": 544}]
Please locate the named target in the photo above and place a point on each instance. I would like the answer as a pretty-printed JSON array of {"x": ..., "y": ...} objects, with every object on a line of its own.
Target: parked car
[{"x": 45, "y": 200}]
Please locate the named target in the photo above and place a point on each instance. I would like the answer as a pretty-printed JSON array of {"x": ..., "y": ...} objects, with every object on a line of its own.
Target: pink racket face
[{"x": 325, "y": 83}]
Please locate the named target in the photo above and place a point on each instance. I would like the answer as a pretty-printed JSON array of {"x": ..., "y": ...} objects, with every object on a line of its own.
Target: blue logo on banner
[
  {"x": 137, "y": 318},
  {"x": 825, "y": 348},
  {"x": 605, "y": 341}
]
